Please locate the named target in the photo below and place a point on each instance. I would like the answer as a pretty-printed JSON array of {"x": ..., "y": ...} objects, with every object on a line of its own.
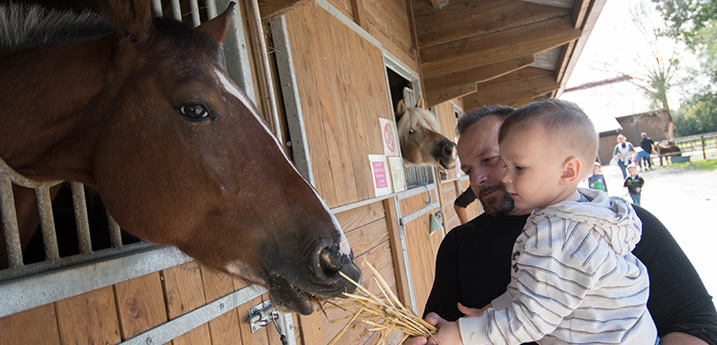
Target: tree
[{"x": 659, "y": 72}]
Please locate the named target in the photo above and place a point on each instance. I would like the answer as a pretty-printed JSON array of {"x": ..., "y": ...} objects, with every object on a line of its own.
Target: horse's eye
[
  {"x": 411, "y": 131},
  {"x": 194, "y": 112}
]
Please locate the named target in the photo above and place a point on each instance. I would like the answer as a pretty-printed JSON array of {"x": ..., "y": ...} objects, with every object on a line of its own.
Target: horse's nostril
[{"x": 329, "y": 262}]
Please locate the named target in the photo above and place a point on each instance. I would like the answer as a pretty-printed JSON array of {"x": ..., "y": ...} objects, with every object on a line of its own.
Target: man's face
[{"x": 478, "y": 152}]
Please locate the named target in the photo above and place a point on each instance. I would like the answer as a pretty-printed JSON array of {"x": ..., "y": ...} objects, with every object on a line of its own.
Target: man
[
  {"x": 647, "y": 146},
  {"x": 473, "y": 262}
]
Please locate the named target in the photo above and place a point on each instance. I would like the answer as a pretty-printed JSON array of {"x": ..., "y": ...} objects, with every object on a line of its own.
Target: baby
[{"x": 574, "y": 278}]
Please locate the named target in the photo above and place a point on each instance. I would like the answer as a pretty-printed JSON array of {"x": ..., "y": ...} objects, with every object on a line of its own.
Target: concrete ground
[{"x": 686, "y": 202}]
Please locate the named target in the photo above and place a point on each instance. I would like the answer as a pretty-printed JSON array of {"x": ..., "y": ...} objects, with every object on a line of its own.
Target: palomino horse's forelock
[{"x": 344, "y": 247}]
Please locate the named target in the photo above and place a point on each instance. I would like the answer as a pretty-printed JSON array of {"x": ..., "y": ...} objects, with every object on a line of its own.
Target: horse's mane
[
  {"x": 415, "y": 117},
  {"x": 22, "y": 24}
]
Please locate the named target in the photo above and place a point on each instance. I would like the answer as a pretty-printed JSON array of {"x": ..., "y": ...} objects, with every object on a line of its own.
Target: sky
[{"x": 617, "y": 46}]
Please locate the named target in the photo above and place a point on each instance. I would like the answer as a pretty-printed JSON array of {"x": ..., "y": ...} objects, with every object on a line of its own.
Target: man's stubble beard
[{"x": 499, "y": 202}]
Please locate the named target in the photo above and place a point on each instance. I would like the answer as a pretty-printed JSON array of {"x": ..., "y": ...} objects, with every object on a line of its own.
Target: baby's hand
[
  {"x": 638, "y": 189},
  {"x": 448, "y": 332},
  {"x": 472, "y": 312}
]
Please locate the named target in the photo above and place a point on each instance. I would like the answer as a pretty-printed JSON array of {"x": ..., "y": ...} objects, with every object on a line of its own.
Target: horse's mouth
[{"x": 286, "y": 297}]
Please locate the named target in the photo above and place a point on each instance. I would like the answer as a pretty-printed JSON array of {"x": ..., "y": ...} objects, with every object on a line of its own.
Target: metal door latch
[{"x": 261, "y": 315}]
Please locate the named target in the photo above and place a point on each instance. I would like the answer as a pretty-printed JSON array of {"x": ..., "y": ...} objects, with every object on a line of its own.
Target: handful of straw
[{"x": 384, "y": 313}]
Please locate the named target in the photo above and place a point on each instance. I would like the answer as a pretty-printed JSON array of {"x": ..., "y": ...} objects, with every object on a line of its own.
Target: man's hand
[{"x": 472, "y": 312}]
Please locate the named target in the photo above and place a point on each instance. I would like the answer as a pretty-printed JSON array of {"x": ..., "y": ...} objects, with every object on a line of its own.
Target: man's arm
[
  {"x": 461, "y": 213},
  {"x": 465, "y": 199},
  {"x": 679, "y": 302}
]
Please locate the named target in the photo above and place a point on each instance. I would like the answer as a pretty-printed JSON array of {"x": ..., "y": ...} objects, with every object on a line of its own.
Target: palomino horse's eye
[
  {"x": 194, "y": 112},
  {"x": 411, "y": 131}
]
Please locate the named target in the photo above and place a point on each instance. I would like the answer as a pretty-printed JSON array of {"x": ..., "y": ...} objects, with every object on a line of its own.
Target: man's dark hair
[{"x": 474, "y": 115}]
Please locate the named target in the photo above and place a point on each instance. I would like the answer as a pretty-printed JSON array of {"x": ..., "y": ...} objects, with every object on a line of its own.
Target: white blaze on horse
[
  {"x": 141, "y": 109},
  {"x": 421, "y": 141}
]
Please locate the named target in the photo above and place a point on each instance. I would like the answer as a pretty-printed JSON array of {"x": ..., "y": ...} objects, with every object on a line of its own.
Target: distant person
[
  {"x": 462, "y": 202},
  {"x": 597, "y": 180},
  {"x": 574, "y": 279},
  {"x": 647, "y": 146},
  {"x": 634, "y": 184},
  {"x": 623, "y": 153}
]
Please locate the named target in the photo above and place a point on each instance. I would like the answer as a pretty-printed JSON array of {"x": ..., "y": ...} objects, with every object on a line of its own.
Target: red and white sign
[
  {"x": 388, "y": 133},
  {"x": 380, "y": 173}
]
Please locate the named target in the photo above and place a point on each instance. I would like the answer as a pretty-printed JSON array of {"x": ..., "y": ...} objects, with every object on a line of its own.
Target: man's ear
[{"x": 572, "y": 169}]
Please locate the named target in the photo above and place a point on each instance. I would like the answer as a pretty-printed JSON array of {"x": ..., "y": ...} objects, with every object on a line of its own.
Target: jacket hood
[{"x": 614, "y": 219}]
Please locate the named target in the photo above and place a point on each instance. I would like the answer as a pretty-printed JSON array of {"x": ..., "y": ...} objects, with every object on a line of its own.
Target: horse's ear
[
  {"x": 400, "y": 108},
  {"x": 421, "y": 103},
  {"x": 131, "y": 19},
  {"x": 217, "y": 27}
]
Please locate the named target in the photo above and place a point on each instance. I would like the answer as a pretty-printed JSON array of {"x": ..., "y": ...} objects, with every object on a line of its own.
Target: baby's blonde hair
[{"x": 565, "y": 125}]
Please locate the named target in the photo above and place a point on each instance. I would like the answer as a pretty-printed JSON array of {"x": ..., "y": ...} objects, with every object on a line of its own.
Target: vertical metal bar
[
  {"x": 194, "y": 7},
  {"x": 704, "y": 153},
  {"x": 176, "y": 10},
  {"x": 9, "y": 222},
  {"x": 157, "y": 8},
  {"x": 267, "y": 70},
  {"x": 211, "y": 8},
  {"x": 49, "y": 238},
  {"x": 115, "y": 232},
  {"x": 404, "y": 250},
  {"x": 79, "y": 203}
]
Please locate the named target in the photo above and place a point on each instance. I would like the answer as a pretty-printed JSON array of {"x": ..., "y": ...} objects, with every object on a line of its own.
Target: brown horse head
[
  {"x": 421, "y": 142},
  {"x": 177, "y": 152}
]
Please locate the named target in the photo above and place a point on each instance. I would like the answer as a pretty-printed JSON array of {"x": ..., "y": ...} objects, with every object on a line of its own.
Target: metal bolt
[
  {"x": 221, "y": 305},
  {"x": 149, "y": 340}
]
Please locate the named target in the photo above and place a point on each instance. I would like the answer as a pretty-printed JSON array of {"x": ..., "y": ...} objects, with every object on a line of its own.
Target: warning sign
[
  {"x": 388, "y": 133},
  {"x": 380, "y": 173}
]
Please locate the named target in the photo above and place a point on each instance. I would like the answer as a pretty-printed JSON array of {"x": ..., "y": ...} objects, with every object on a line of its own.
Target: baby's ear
[{"x": 572, "y": 169}]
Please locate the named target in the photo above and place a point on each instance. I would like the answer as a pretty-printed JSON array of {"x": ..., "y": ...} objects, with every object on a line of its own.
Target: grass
[{"x": 703, "y": 165}]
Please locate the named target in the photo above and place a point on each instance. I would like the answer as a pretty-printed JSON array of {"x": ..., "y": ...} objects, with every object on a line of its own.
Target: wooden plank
[
  {"x": 436, "y": 96},
  {"x": 474, "y": 74},
  {"x": 521, "y": 89},
  {"x": 390, "y": 24},
  {"x": 422, "y": 249},
  {"x": 310, "y": 329},
  {"x": 467, "y": 18},
  {"x": 500, "y": 46},
  {"x": 184, "y": 292},
  {"x": 37, "y": 326},
  {"x": 225, "y": 328},
  {"x": 140, "y": 304},
  {"x": 417, "y": 202},
  {"x": 357, "y": 217},
  {"x": 367, "y": 237},
  {"x": 90, "y": 318},
  {"x": 270, "y": 9},
  {"x": 360, "y": 15},
  {"x": 518, "y": 76}
]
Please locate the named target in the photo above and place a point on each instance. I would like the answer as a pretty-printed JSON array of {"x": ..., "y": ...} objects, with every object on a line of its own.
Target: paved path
[{"x": 686, "y": 202}]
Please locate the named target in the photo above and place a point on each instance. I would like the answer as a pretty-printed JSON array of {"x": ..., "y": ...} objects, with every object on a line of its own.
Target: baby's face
[
  {"x": 533, "y": 167},
  {"x": 597, "y": 170}
]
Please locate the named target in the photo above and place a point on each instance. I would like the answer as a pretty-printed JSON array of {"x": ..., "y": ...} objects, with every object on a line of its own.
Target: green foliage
[
  {"x": 706, "y": 165},
  {"x": 686, "y": 17},
  {"x": 697, "y": 115}
]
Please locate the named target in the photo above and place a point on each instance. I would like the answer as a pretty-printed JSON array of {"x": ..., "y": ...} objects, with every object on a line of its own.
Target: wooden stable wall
[
  {"x": 341, "y": 81},
  {"x": 119, "y": 312}
]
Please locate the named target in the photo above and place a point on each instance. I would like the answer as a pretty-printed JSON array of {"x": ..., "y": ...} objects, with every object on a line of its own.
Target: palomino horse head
[
  {"x": 421, "y": 143},
  {"x": 179, "y": 155}
]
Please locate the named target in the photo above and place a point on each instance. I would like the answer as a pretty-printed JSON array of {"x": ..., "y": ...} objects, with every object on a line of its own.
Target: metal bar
[
  {"x": 236, "y": 52},
  {"x": 49, "y": 238},
  {"x": 9, "y": 223},
  {"x": 79, "y": 203},
  {"x": 194, "y": 7},
  {"x": 267, "y": 71},
  {"x": 292, "y": 101},
  {"x": 404, "y": 251},
  {"x": 157, "y": 8},
  {"x": 420, "y": 212},
  {"x": 115, "y": 232},
  {"x": 27, "y": 293},
  {"x": 176, "y": 10},
  {"x": 211, "y": 8},
  {"x": 172, "y": 329}
]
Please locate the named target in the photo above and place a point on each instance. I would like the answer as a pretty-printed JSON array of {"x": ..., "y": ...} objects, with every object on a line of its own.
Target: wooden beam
[
  {"x": 493, "y": 48},
  {"x": 448, "y": 93},
  {"x": 477, "y": 73},
  {"x": 467, "y": 18},
  {"x": 359, "y": 8},
  {"x": 271, "y": 9},
  {"x": 455, "y": 85},
  {"x": 522, "y": 74},
  {"x": 503, "y": 93}
]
